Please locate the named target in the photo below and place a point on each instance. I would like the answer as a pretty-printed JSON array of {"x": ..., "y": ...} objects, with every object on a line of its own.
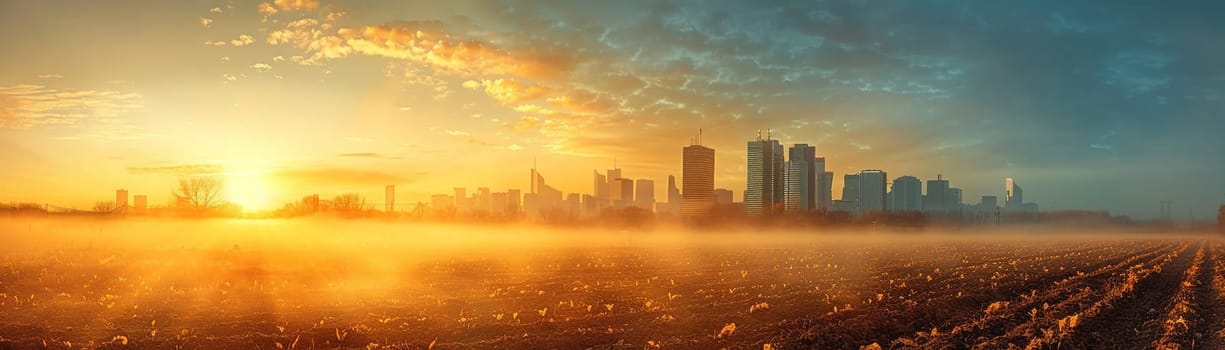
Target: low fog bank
[{"x": 366, "y": 237}]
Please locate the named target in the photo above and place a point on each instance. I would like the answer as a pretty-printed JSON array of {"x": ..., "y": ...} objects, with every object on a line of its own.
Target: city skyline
[{"x": 283, "y": 99}]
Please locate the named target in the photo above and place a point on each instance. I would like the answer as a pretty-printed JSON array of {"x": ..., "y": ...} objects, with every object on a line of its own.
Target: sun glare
[{"x": 250, "y": 190}]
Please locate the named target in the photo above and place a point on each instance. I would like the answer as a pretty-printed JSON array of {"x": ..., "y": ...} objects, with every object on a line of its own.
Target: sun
[{"x": 250, "y": 190}]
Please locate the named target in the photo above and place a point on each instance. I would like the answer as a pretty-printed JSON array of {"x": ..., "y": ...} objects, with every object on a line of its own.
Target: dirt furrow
[
  {"x": 1017, "y": 311},
  {"x": 1138, "y": 318}
]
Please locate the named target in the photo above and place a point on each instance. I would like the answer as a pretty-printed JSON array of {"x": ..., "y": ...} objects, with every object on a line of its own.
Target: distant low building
[
  {"x": 1220, "y": 218},
  {"x": 723, "y": 196},
  {"x": 140, "y": 204}
]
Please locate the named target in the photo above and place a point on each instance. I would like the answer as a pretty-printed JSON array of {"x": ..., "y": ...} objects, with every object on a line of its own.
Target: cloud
[
  {"x": 292, "y": 5},
  {"x": 215, "y": 43},
  {"x": 267, "y": 9},
  {"x": 215, "y": 10},
  {"x": 338, "y": 176},
  {"x": 261, "y": 67},
  {"x": 29, "y": 106},
  {"x": 509, "y": 92},
  {"x": 205, "y": 22},
  {"x": 366, "y": 155},
  {"x": 243, "y": 40},
  {"x": 50, "y": 76},
  {"x": 534, "y": 109},
  {"x": 179, "y": 170}
]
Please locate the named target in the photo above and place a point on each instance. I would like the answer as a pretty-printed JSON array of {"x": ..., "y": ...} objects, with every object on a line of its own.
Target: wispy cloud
[
  {"x": 366, "y": 155},
  {"x": 178, "y": 170},
  {"x": 28, "y": 106},
  {"x": 339, "y": 176}
]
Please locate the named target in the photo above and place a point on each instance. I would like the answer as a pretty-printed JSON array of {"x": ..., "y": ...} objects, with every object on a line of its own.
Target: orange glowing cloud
[{"x": 291, "y": 5}]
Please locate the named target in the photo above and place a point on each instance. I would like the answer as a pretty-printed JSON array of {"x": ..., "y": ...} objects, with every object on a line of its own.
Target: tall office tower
[
  {"x": 121, "y": 201},
  {"x": 513, "y": 201},
  {"x": 499, "y": 203},
  {"x": 483, "y": 201},
  {"x": 614, "y": 174},
  {"x": 461, "y": 200},
  {"x": 906, "y": 194},
  {"x": 543, "y": 197},
  {"x": 764, "y": 183},
  {"x": 697, "y": 180},
  {"x": 140, "y": 204},
  {"x": 1012, "y": 195},
  {"x": 601, "y": 185},
  {"x": 674, "y": 196},
  {"x": 574, "y": 204},
  {"x": 850, "y": 187},
  {"x": 800, "y": 193},
  {"x": 825, "y": 189},
  {"x": 644, "y": 194},
  {"x": 622, "y": 192},
  {"x": 937, "y": 195},
  {"x": 872, "y": 190},
  {"x": 954, "y": 199},
  {"x": 389, "y": 198}
]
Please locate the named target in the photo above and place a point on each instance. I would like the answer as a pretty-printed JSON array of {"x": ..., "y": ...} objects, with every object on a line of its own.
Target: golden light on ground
[{"x": 250, "y": 190}]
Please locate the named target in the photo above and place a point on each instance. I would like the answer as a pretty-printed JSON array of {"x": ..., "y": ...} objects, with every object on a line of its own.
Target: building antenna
[{"x": 699, "y": 136}]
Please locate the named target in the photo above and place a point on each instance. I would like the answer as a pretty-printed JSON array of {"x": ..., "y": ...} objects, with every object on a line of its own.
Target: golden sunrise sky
[{"x": 292, "y": 97}]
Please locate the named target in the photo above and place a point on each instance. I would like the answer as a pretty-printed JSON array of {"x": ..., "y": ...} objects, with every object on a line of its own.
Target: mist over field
[{"x": 322, "y": 283}]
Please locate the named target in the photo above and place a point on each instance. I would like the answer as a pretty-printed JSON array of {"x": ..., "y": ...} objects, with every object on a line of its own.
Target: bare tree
[
  {"x": 199, "y": 193},
  {"x": 105, "y": 206},
  {"x": 349, "y": 203}
]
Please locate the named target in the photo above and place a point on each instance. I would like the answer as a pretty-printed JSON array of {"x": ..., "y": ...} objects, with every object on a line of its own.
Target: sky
[{"x": 1109, "y": 105}]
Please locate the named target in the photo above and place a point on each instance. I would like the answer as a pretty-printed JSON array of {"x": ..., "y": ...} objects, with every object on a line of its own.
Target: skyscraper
[
  {"x": 389, "y": 198},
  {"x": 954, "y": 199},
  {"x": 460, "y": 200},
  {"x": 825, "y": 187},
  {"x": 542, "y": 198},
  {"x": 764, "y": 183},
  {"x": 674, "y": 196},
  {"x": 484, "y": 203},
  {"x": 937, "y": 195},
  {"x": 697, "y": 180},
  {"x": 121, "y": 201},
  {"x": 513, "y": 199},
  {"x": 800, "y": 192},
  {"x": 622, "y": 192},
  {"x": 644, "y": 194},
  {"x": 872, "y": 190},
  {"x": 850, "y": 187},
  {"x": 1013, "y": 199},
  {"x": 601, "y": 185},
  {"x": 500, "y": 204},
  {"x": 906, "y": 194}
]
